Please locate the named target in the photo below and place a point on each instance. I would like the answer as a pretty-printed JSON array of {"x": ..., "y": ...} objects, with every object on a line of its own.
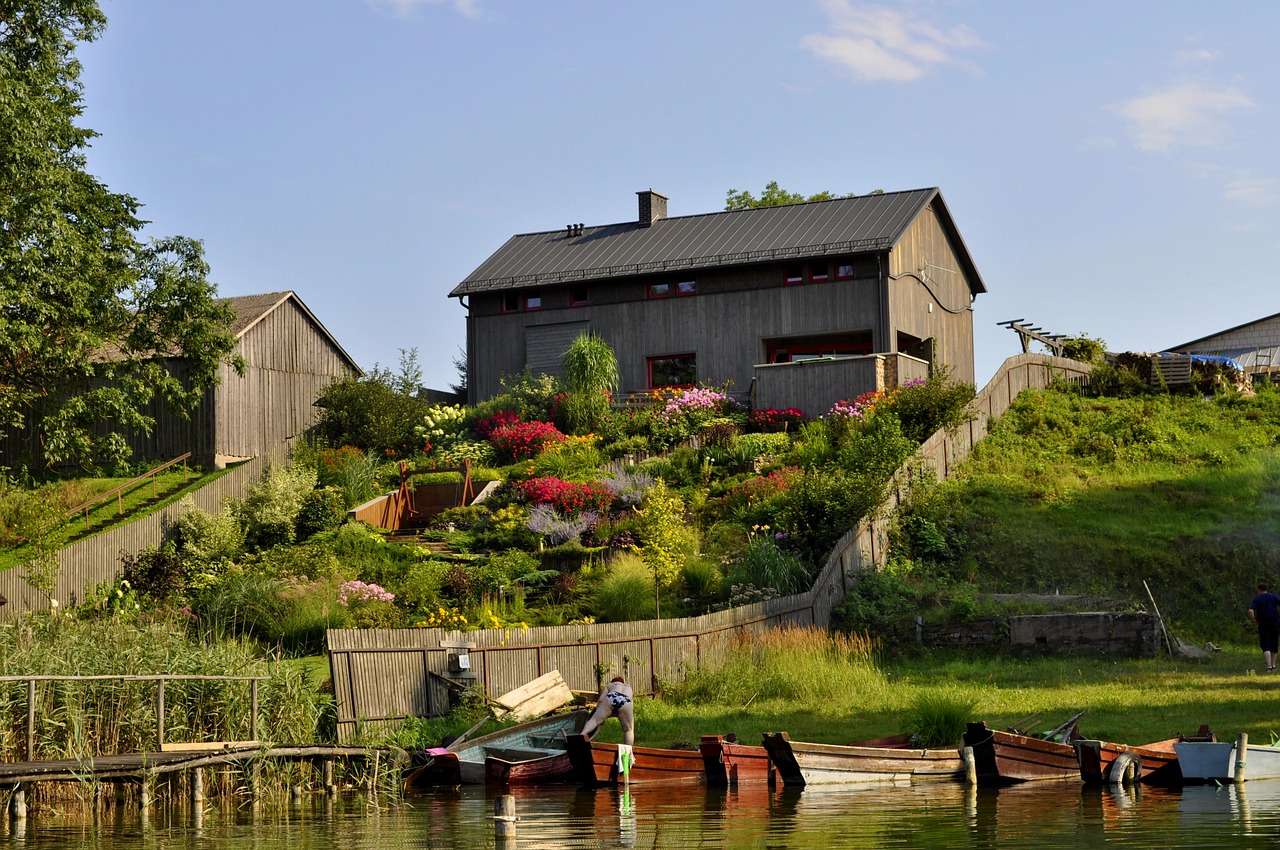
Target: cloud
[
  {"x": 876, "y": 43},
  {"x": 1253, "y": 191},
  {"x": 405, "y": 8},
  {"x": 1186, "y": 115}
]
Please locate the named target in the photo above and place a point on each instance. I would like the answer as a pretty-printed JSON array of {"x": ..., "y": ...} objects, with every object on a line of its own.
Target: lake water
[{"x": 1041, "y": 815}]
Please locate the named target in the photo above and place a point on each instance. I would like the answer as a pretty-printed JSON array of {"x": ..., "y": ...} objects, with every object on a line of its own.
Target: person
[
  {"x": 1264, "y": 610},
  {"x": 616, "y": 700}
]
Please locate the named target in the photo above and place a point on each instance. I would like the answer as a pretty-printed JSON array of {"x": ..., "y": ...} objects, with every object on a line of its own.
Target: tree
[
  {"x": 89, "y": 313},
  {"x": 775, "y": 196},
  {"x": 376, "y": 413},
  {"x": 589, "y": 370}
]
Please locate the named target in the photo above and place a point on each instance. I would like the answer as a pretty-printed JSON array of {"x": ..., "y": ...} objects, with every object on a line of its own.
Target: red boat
[
  {"x": 596, "y": 764},
  {"x": 728, "y": 762},
  {"x": 1155, "y": 763},
  {"x": 890, "y": 760},
  {"x": 1003, "y": 758}
]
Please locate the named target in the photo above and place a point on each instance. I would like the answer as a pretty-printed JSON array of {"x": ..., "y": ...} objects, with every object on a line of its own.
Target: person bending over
[{"x": 616, "y": 700}]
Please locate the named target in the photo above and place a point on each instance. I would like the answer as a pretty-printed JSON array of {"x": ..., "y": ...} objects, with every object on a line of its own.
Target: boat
[
  {"x": 800, "y": 763},
  {"x": 1003, "y": 758},
  {"x": 727, "y": 761},
  {"x": 1155, "y": 763},
  {"x": 595, "y": 764},
  {"x": 1216, "y": 762},
  {"x": 528, "y": 753}
]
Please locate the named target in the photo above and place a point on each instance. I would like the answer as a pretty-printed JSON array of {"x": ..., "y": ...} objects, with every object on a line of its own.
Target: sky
[{"x": 1112, "y": 165}]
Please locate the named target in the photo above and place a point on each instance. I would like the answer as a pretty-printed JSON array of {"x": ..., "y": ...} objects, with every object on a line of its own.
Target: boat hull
[
  {"x": 1216, "y": 762},
  {"x": 800, "y": 763},
  {"x": 1003, "y": 758},
  {"x": 1159, "y": 761},
  {"x": 595, "y": 764},
  {"x": 729, "y": 763},
  {"x": 525, "y": 754}
]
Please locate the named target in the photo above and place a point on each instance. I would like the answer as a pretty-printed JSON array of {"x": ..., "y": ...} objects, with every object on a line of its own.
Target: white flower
[{"x": 53, "y": 603}]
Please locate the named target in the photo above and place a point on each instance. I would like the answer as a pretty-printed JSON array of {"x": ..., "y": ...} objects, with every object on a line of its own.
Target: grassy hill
[{"x": 1074, "y": 494}]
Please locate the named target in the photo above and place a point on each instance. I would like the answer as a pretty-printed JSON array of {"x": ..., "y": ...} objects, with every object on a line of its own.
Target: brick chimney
[{"x": 653, "y": 207}]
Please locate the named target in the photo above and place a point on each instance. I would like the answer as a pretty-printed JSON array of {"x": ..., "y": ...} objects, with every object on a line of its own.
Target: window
[
  {"x": 818, "y": 272},
  {"x": 578, "y": 296},
  {"x": 510, "y": 302},
  {"x": 659, "y": 290},
  {"x": 677, "y": 370},
  {"x": 687, "y": 287},
  {"x": 844, "y": 269},
  {"x": 533, "y": 301},
  {"x": 795, "y": 349},
  {"x": 795, "y": 274}
]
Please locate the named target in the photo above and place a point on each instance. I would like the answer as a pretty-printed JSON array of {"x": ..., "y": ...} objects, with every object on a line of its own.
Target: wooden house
[{"x": 798, "y": 305}]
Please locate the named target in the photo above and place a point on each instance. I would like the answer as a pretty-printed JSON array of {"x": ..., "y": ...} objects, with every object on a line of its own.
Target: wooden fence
[
  {"x": 383, "y": 676},
  {"x": 89, "y": 562}
]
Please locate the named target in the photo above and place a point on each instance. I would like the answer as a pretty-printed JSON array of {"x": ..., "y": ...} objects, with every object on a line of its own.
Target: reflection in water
[{"x": 1043, "y": 815}]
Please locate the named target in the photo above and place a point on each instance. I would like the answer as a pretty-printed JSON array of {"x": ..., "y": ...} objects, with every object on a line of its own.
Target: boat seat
[{"x": 515, "y": 753}]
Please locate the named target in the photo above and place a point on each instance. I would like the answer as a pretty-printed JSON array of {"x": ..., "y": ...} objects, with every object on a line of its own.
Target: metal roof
[{"x": 862, "y": 224}]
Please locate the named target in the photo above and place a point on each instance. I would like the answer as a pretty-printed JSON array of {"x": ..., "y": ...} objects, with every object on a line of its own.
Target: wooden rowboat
[
  {"x": 529, "y": 753},
  {"x": 800, "y": 763},
  {"x": 595, "y": 764},
  {"x": 1003, "y": 758},
  {"x": 1155, "y": 763},
  {"x": 728, "y": 762}
]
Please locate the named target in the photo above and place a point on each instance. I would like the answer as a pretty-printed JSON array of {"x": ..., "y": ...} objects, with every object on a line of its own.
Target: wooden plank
[
  {"x": 199, "y": 746},
  {"x": 545, "y": 693}
]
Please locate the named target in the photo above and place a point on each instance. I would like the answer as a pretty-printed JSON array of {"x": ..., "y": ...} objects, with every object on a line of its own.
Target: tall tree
[
  {"x": 775, "y": 196},
  {"x": 88, "y": 311}
]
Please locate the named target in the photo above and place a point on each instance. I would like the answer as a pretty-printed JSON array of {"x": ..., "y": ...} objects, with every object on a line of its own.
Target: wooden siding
[
  {"x": 288, "y": 362},
  {"x": 936, "y": 307},
  {"x": 723, "y": 324},
  {"x": 545, "y": 345},
  {"x": 383, "y": 676},
  {"x": 90, "y": 562}
]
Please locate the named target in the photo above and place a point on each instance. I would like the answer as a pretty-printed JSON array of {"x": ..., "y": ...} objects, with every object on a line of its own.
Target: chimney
[{"x": 653, "y": 207}]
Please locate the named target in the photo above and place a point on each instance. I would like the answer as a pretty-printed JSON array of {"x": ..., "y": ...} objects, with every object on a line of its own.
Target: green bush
[
  {"x": 939, "y": 719},
  {"x": 752, "y": 446},
  {"x": 240, "y": 603},
  {"x": 880, "y": 599},
  {"x": 937, "y": 404},
  {"x": 208, "y": 538},
  {"x": 700, "y": 582},
  {"x": 626, "y": 593},
  {"x": 269, "y": 512},
  {"x": 376, "y": 413},
  {"x": 158, "y": 573},
  {"x": 765, "y": 565},
  {"x": 324, "y": 509}
]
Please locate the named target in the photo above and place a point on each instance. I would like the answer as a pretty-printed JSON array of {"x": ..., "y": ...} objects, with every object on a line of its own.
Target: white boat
[{"x": 1201, "y": 762}]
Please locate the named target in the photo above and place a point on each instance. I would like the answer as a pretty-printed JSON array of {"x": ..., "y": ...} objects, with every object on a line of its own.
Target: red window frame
[
  {"x": 578, "y": 297},
  {"x": 686, "y": 287},
  {"x": 660, "y": 290},
  {"x": 533, "y": 301},
  {"x": 793, "y": 275},
  {"x": 511, "y": 302},
  {"x": 819, "y": 272},
  {"x": 840, "y": 265}
]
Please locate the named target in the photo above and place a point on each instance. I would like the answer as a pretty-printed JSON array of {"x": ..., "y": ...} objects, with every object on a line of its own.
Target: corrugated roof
[{"x": 819, "y": 228}]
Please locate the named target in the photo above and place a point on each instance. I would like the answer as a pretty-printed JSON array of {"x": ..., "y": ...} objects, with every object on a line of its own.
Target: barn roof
[
  {"x": 842, "y": 226},
  {"x": 1207, "y": 337},
  {"x": 252, "y": 309}
]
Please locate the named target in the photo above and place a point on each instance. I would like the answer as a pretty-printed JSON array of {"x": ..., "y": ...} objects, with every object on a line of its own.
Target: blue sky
[{"x": 1112, "y": 166}]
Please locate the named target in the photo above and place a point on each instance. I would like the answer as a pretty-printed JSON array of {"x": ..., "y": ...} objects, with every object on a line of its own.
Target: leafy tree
[
  {"x": 590, "y": 373},
  {"x": 88, "y": 313},
  {"x": 377, "y": 413},
  {"x": 775, "y": 196}
]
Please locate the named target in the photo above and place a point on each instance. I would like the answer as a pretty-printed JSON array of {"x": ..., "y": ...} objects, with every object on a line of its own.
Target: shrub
[
  {"x": 270, "y": 510},
  {"x": 662, "y": 534},
  {"x": 207, "y": 538},
  {"x": 523, "y": 440},
  {"x": 442, "y": 425},
  {"x": 376, "y": 413},
  {"x": 240, "y": 603},
  {"x": 322, "y": 510},
  {"x": 771, "y": 419},
  {"x": 939, "y": 719},
  {"x": 567, "y": 497},
  {"x": 766, "y": 565},
  {"x": 485, "y": 426},
  {"x": 545, "y": 520},
  {"x": 626, "y": 593},
  {"x": 700, "y": 580},
  {"x": 752, "y": 446},
  {"x": 590, "y": 373},
  {"x": 574, "y": 459},
  {"x": 158, "y": 573},
  {"x": 923, "y": 407},
  {"x": 308, "y": 560},
  {"x": 880, "y": 599}
]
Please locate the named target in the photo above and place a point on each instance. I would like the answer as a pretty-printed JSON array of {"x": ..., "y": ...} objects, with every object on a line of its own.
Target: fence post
[
  {"x": 160, "y": 716},
  {"x": 31, "y": 719},
  {"x": 253, "y": 701}
]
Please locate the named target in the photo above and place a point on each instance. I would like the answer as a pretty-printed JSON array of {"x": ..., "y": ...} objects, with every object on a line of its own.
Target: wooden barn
[
  {"x": 797, "y": 305},
  {"x": 1254, "y": 345}
]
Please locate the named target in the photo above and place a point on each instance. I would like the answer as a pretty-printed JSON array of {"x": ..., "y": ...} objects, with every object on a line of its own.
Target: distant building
[
  {"x": 796, "y": 305},
  {"x": 1254, "y": 345}
]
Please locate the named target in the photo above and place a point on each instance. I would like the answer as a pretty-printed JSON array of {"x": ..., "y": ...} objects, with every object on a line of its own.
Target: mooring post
[
  {"x": 197, "y": 787},
  {"x": 1242, "y": 752},
  {"x": 144, "y": 792},
  {"x": 970, "y": 765},
  {"x": 31, "y": 719},
  {"x": 18, "y": 803},
  {"x": 329, "y": 787},
  {"x": 504, "y": 816},
  {"x": 255, "y": 781}
]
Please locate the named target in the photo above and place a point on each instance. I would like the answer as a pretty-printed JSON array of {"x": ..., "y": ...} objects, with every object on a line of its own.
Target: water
[{"x": 1041, "y": 815}]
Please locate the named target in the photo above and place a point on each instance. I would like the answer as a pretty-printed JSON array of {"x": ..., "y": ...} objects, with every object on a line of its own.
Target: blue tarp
[{"x": 1207, "y": 358}]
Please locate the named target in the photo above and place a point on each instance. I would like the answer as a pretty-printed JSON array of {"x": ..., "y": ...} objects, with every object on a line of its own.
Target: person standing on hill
[
  {"x": 1264, "y": 610},
  {"x": 616, "y": 701}
]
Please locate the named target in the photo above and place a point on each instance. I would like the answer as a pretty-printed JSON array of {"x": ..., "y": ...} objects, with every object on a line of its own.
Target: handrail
[
  {"x": 158, "y": 678},
  {"x": 119, "y": 491}
]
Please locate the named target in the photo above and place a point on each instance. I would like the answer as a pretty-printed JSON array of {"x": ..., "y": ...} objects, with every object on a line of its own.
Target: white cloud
[
  {"x": 1254, "y": 191},
  {"x": 1186, "y": 115},
  {"x": 1195, "y": 56},
  {"x": 405, "y": 8},
  {"x": 876, "y": 43}
]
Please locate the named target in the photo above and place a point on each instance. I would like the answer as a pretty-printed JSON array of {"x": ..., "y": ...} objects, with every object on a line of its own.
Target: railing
[
  {"x": 160, "y": 679},
  {"x": 119, "y": 492}
]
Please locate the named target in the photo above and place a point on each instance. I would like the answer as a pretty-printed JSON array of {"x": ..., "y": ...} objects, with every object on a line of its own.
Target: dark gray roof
[{"x": 866, "y": 223}]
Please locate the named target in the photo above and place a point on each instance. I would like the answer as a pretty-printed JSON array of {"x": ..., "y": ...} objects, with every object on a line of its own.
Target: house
[
  {"x": 289, "y": 358},
  {"x": 797, "y": 305},
  {"x": 1255, "y": 345}
]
